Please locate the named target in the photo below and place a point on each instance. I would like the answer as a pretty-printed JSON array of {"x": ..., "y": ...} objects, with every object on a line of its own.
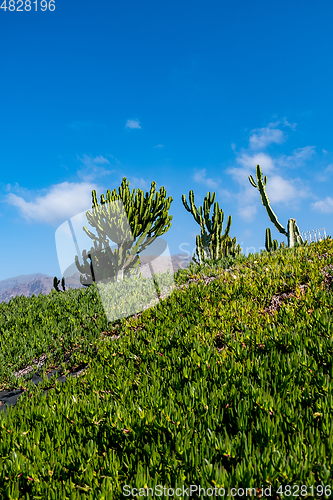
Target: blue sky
[{"x": 191, "y": 95}]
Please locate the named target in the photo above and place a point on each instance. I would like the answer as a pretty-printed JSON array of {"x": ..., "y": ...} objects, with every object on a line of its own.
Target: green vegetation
[{"x": 223, "y": 383}]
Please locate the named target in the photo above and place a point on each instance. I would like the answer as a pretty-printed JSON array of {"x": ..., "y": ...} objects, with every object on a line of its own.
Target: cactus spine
[
  {"x": 146, "y": 217},
  {"x": 292, "y": 232},
  {"x": 214, "y": 245}
]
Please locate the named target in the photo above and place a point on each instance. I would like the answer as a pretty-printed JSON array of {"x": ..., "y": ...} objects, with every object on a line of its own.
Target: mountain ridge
[{"x": 34, "y": 284}]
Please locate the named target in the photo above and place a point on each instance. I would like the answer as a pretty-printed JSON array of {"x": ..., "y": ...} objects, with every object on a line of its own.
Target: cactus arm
[
  {"x": 227, "y": 229},
  {"x": 56, "y": 283},
  {"x": 265, "y": 201},
  {"x": 268, "y": 240},
  {"x": 252, "y": 181}
]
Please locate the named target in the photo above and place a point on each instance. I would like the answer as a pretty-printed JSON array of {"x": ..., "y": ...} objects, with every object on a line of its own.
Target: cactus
[
  {"x": 292, "y": 233},
  {"x": 275, "y": 245},
  {"x": 56, "y": 284},
  {"x": 230, "y": 247},
  {"x": 214, "y": 245},
  {"x": 268, "y": 242},
  {"x": 147, "y": 218}
]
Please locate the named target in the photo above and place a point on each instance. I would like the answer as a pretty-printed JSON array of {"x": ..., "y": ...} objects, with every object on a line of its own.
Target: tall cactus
[
  {"x": 292, "y": 232},
  {"x": 214, "y": 245},
  {"x": 145, "y": 217},
  {"x": 270, "y": 246}
]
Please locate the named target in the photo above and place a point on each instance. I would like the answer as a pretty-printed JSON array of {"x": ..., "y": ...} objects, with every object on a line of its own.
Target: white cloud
[
  {"x": 286, "y": 192},
  {"x": 61, "y": 202},
  {"x": 323, "y": 177},
  {"x": 132, "y": 124},
  {"x": 248, "y": 167},
  {"x": 329, "y": 168},
  {"x": 298, "y": 157},
  {"x": 90, "y": 162},
  {"x": 158, "y": 146},
  {"x": 247, "y": 213},
  {"x": 224, "y": 193},
  {"x": 260, "y": 138},
  {"x": 100, "y": 160},
  {"x": 200, "y": 177},
  {"x": 287, "y": 124},
  {"x": 324, "y": 206},
  {"x": 8, "y": 187},
  {"x": 92, "y": 169},
  {"x": 251, "y": 161},
  {"x": 279, "y": 190}
]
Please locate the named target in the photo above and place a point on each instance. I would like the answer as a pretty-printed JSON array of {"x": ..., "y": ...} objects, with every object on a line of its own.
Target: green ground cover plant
[{"x": 227, "y": 382}]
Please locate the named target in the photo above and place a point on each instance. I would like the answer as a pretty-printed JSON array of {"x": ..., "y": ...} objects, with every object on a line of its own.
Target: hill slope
[{"x": 227, "y": 383}]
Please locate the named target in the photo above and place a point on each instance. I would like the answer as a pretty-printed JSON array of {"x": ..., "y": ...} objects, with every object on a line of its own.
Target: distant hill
[
  {"x": 23, "y": 278},
  {"x": 34, "y": 284}
]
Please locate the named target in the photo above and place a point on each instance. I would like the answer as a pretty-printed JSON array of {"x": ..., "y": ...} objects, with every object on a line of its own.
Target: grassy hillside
[{"x": 227, "y": 383}]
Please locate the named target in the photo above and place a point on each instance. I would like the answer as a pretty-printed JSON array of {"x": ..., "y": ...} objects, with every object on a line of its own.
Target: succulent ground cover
[{"x": 227, "y": 382}]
